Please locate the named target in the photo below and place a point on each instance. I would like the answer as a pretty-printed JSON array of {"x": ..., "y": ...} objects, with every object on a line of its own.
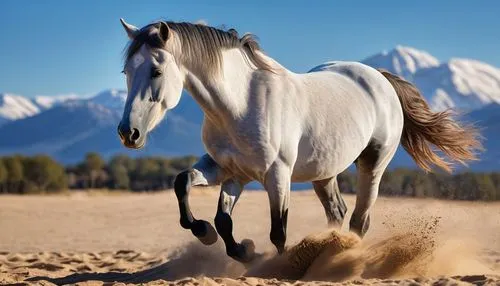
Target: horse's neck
[{"x": 227, "y": 94}]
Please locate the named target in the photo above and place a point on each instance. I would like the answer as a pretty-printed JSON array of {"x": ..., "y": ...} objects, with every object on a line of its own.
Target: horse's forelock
[{"x": 146, "y": 35}]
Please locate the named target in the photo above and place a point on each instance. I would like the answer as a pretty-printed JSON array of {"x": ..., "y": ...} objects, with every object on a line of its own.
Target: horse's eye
[{"x": 155, "y": 73}]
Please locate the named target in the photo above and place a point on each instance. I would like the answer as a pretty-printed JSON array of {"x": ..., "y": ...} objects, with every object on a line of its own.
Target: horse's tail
[{"x": 424, "y": 130}]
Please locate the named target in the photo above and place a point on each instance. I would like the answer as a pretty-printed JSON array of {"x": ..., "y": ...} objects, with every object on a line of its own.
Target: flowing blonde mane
[{"x": 201, "y": 44}]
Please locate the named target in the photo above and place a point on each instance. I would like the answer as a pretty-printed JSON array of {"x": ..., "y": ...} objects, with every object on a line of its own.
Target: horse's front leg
[
  {"x": 277, "y": 185},
  {"x": 205, "y": 172},
  {"x": 230, "y": 192}
]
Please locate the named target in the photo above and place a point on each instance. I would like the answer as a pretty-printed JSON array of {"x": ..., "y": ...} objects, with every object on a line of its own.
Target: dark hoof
[
  {"x": 204, "y": 231},
  {"x": 245, "y": 251}
]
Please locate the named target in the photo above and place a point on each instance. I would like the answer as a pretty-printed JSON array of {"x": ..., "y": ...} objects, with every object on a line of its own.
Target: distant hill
[{"x": 72, "y": 128}]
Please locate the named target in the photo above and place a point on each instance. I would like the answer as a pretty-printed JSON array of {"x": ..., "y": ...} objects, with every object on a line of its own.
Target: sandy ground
[{"x": 136, "y": 238}]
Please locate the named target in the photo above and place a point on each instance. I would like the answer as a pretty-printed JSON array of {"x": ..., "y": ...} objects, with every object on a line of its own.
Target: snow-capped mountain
[
  {"x": 14, "y": 107},
  {"x": 45, "y": 101},
  {"x": 403, "y": 61},
  {"x": 110, "y": 98},
  {"x": 461, "y": 84},
  {"x": 56, "y": 128}
]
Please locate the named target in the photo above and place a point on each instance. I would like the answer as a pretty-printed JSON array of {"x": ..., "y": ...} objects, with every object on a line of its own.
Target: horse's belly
[
  {"x": 326, "y": 158},
  {"x": 318, "y": 170},
  {"x": 311, "y": 171}
]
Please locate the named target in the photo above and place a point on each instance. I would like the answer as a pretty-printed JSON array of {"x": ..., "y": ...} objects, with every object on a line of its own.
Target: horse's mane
[{"x": 202, "y": 44}]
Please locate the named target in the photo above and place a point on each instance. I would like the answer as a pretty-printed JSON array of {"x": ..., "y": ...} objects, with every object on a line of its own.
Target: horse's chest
[
  {"x": 235, "y": 162},
  {"x": 245, "y": 159}
]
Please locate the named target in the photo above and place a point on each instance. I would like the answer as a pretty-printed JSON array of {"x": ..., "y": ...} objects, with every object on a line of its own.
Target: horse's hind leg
[
  {"x": 371, "y": 165},
  {"x": 328, "y": 193},
  {"x": 277, "y": 184},
  {"x": 204, "y": 173}
]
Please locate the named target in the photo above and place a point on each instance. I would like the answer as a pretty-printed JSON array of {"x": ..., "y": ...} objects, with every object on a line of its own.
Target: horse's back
[{"x": 366, "y": 77}]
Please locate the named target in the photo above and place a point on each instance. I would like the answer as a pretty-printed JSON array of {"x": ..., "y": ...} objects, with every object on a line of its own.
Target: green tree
[
  {"x": 485, "y": 188},
  {"x": 15, "y": 170},
  {"x": 119, "y": 175},
  {"x": 146, "y": 168},
  {"x": 182, "y": 163},
  {"x": 43, "y": 174},
  {"x": 123, "y": 160},
  {"x": 3, "y": 177},
  {"x": 166, "y": 173},
  {"x": 93, "y": 166}
]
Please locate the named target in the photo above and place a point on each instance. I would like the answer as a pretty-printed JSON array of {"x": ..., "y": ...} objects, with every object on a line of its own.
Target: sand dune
[{"x": 135, "y": 238}]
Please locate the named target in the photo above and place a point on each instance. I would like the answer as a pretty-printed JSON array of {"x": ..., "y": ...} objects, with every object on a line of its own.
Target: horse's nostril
[
  {"x": 135, "y": 135},
  {"x": 128, "y": 136}
]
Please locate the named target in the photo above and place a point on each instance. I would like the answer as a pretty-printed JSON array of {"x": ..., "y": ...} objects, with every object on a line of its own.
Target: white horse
[{"x": 265, "y": 123}]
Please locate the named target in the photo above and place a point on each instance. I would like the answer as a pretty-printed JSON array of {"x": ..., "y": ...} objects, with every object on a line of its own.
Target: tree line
[
  {"x": 417, "y": 183},
  {"x": 42, "y": 174}
]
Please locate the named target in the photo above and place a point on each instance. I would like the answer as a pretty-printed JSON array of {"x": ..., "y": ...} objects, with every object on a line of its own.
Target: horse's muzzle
[{"x": 130, "y": 137}]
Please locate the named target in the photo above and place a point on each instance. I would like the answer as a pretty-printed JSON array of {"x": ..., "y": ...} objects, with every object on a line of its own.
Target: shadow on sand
[
  {"x": 161, "y": 272},
  {"x": 193, "y": 260}
]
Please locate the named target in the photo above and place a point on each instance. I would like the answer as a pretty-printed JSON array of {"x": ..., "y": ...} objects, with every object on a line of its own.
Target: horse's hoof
[
  {"x": 245, "y": 251},
  {"x": 204, "y": 231},
  {"x": 249, "y": 248}
]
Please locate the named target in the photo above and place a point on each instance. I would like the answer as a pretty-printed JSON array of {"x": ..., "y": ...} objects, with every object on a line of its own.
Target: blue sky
[{"x": 61, "y": 47}]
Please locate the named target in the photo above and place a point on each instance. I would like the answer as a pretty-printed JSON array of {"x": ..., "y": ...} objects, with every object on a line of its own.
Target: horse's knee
[
  {"x": 360, "y": 224},
  {"x": 206, "y": 172}
]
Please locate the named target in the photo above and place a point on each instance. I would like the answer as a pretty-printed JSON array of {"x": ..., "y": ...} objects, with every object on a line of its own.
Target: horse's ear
[
  {"x": 131, "y": 30},
  {"x": 164, "y": 31}
]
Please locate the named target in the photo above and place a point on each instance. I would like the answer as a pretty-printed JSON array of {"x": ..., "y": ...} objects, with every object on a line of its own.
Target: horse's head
[{"x": 154, "y": 82}]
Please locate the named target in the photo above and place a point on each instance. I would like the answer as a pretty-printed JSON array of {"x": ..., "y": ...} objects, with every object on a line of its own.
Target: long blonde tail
[{"x": 424, "y": 129}]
